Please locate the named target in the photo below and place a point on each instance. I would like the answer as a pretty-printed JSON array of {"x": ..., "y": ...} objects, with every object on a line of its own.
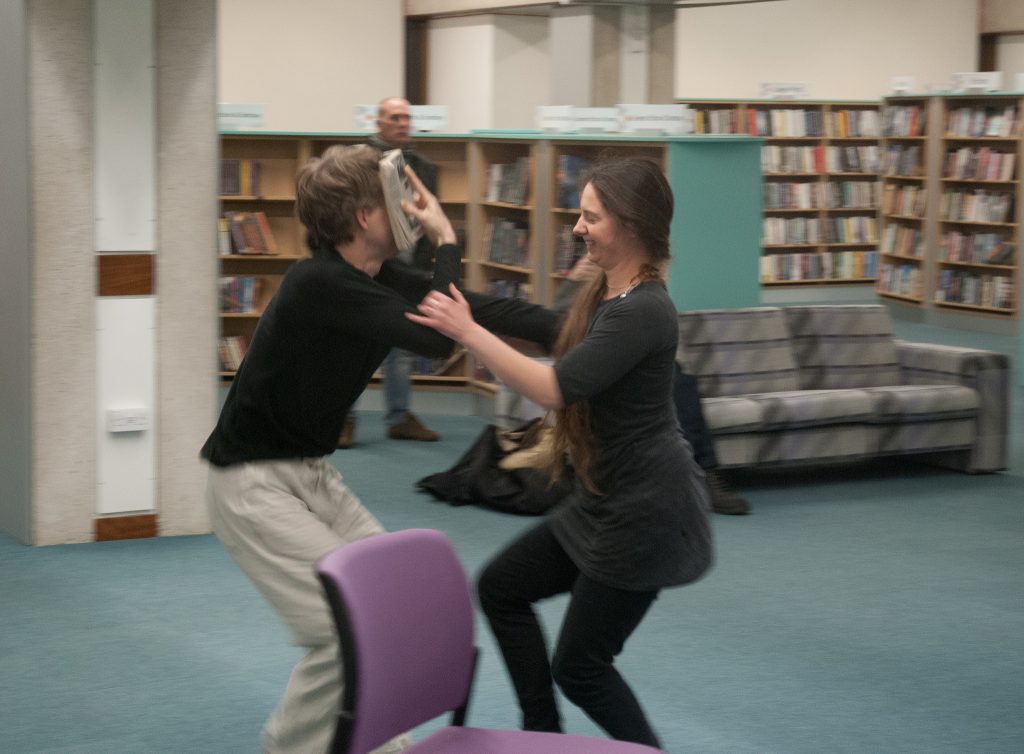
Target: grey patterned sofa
[{"x": 810, "y": 384}]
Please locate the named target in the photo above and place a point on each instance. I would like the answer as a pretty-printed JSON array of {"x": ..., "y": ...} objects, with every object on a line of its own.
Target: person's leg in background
[
  {"x": 401, "y": 422},
  {"x": 686, "y": 396}
]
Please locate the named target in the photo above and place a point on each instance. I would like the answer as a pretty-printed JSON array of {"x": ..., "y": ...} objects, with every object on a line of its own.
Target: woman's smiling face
[{"x": 598, "y": 229}]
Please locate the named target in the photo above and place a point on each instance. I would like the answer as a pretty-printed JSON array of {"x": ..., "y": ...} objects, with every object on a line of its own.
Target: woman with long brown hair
[{"x": 636, "y": 521}]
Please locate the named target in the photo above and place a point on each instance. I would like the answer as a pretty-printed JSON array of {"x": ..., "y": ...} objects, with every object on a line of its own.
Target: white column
[{"x": 125, "y": 220}]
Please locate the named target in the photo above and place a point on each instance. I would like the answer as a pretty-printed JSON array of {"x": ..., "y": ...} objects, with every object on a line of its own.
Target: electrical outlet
[{"x": 127, "y": 419}]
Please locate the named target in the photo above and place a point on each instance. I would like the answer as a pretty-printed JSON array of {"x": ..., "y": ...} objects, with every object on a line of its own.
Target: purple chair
[{"x": 402, "y": 605}]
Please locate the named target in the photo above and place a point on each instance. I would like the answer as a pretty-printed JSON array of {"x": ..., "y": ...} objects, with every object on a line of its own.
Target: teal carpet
[{"x": 875, "y": 608}]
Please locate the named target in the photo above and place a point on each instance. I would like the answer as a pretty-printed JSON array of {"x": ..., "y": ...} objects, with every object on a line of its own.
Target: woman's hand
[
  {"x": 427, "y": 210},
  {"x": 449, "y": 316}
]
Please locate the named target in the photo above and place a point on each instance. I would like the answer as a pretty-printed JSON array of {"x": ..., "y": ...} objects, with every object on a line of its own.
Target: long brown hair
[{"x": 633, "y": 191}]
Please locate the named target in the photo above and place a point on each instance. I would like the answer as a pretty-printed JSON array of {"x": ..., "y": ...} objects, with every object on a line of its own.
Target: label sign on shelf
[
  {"x": 429, "y": 117},
  {"x": 978, "y": 81},
  {"x": 238, "y": 117},
  {"x": 662, "y": 119},
  {"x": 783, "y": 89},
  {"x": 366, "y": 118}
]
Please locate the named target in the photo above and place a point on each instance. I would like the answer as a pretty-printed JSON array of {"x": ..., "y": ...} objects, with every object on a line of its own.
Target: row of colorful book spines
[
  {"x": 982, "y": 164},
  {"x": 857, "y": 229},
  {"x": 839, "y": 265},
  {"x": 903, "y": 240},
  {"x": 975, "y": 289},
  {"x": 977, "y": 205},
  {"x": 980, "y": 248},
  {"x": 788, "y": 122},
  {"x": 830, "y": 195},
  {"x": 239, "y": 294},
  {"x": 982, "y": 121},
  {"x": 900, "y": 279},
  {"x": 239, "y": 177},
  {"x": 909, "y": 201}
]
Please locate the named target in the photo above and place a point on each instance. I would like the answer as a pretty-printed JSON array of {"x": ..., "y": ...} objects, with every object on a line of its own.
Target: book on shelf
[
  {"x": 569, "y": 249},
  {"x": 509, "y": 183},
  {"x": 568, "y": 177},
  {"x": 231, "y": 350},
  {"x": 508, "y": 242},
  {"x": 397, "y": 188},
  {"x": 239, "y": 177},
  {"x": 249, "y": 233},
  {"x": 223, "y": 236},
  {"x": 239, "y": 294}
]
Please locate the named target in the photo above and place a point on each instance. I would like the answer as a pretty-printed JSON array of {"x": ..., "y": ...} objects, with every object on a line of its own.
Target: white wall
[
  {"x": 522, "y": 70},
  {"x": 309, "y": 62},
  {"x": 460, "y": 65},
  {"x": 842, "y": 49},
  {"x": 1010, "y": 58}
]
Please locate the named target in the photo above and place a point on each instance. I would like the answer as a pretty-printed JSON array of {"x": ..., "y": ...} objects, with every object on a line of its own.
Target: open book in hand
[{"x": 405, "y": 229}]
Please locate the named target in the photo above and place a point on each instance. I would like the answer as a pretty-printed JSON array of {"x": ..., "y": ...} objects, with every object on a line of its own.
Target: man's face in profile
[{"x": 393, "y": 122}]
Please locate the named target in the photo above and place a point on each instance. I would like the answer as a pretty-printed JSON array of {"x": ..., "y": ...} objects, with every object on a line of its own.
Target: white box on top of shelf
[
  {"x": 1018, "y": 82},
  {"x": 596, "y": 119},
  {"x": 429, "y": 118},
  {"x": 783, "y": 89},
  {"x": 671, "y": 120},
  {"x": 978, "y": 81},
  {"x": 555, "y": 118},
  {"x": 902, "y": 84}
]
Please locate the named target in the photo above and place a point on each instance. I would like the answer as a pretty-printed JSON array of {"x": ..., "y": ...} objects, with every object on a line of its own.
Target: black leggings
[{"x": 597, "y": 623}]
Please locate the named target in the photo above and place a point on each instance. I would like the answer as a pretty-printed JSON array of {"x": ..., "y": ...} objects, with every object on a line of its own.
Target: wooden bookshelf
[
  {"x": 977, "y": 265},
  {"x": 901, "y": 273},
  {"x": 952, "y": 203},
  {"x": 715, "y": 228},
  {"x": 820, "y": 164}
]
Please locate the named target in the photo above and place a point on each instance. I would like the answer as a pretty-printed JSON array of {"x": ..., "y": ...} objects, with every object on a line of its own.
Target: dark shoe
[
  {"x": 411, "y": 429},
  {"x": 724, "y": 499},
  {"x": 348, "y": 433}
]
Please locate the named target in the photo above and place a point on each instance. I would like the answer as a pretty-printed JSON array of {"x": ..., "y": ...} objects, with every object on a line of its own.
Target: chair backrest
[{"x": 402, "y": 604}]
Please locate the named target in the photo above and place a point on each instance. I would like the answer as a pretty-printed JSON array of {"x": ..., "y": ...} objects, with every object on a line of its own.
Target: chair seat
[{"x": 455, "y": 740}]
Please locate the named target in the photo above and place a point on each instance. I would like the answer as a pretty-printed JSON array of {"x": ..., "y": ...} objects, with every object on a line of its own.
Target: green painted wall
[{"x": 716, "y": 228}]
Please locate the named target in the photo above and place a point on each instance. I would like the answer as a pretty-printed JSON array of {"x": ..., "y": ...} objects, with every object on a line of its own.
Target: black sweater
[{"x": 324, "y": 333}]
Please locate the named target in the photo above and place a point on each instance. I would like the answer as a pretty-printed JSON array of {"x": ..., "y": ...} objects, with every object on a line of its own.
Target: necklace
[{"x": 633, "y": 283}]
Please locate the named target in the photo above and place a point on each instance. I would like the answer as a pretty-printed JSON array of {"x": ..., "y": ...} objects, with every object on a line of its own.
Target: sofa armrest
[{"x": 987, "y": 372}]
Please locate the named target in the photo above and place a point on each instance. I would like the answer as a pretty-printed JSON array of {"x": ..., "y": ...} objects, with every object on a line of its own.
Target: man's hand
[{"x": 427, "y": 210}]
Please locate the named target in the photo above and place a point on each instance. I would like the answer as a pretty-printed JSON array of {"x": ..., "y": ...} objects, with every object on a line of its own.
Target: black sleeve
[
  {"x": 515, "y": 318},
  {"x": 366, "y": 308},
  {"x": 412, "y": 284}
]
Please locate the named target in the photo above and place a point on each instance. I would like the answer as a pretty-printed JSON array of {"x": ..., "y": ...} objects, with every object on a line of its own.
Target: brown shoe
[
  {"x": 411, "y": 429},
  {"x": 724, "y": 499},
  {"x": 348, "y": 433}
]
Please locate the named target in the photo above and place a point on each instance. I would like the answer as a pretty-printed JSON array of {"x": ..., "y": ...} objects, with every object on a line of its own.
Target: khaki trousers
[{"x": 276, "y": 519}]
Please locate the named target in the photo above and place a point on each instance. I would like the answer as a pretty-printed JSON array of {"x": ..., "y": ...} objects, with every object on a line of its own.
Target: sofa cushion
[
  {"x": 812, "y": 408},
  {"x": 843, "y": 346},
  {"x": 917, "y": 403},
  {"x": 731, "y": 414},
  {"x": 737, "y": 351},
  {"x": 917, "y": 418}
]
